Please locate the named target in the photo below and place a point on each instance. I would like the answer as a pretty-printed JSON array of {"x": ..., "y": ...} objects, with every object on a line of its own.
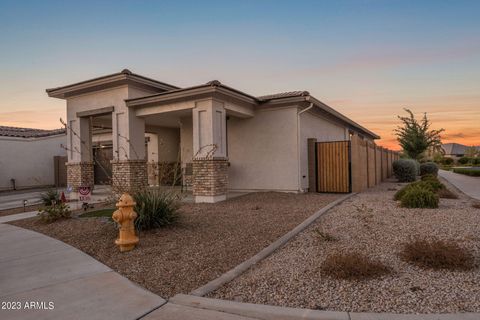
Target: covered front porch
[{"x": 141, "y": 134}]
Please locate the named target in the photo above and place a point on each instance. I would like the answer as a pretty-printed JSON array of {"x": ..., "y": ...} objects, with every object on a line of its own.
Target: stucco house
[
  {"x": 223, "y": 139},
  {"x": 457, "y": 150},
  {"x": 27, "y": 157}
]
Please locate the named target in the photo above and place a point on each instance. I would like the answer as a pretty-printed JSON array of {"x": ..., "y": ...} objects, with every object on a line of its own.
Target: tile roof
[
  {"x": 456, "y": 148},
  {"x": 28, "y": 132},
  {"x": 288, "y": 94}
]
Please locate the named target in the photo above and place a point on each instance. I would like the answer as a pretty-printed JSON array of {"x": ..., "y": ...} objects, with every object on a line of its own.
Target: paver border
[{"x": 280, "y": 242}]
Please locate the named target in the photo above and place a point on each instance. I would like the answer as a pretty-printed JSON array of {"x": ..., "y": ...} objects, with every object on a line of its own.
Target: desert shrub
[
  {"x": 428, "y": 177},
  {"x": 325, "y": 236},
  {"x": 49, "y": 197},
  {"x": 353, "y": 266},
  {"x": 399, "y": 194},
  {"x": 156, "y": 208},
  {"x": 405, "y": 170},
  {"x": 468, "y": 171},
  {"x": 419, "y": 197},
  {"x": 476, "y": 205},
  {"x": 446, "y": 194},
  {"x": 434, "y": 184},
  {"x": 437, "y": 254},
  {"x": 428, "y": 168},
  {"x": 447, "y": 161},
  {"x": 417, "y": 184},
  {"x": 464, "y": 160},
  {"x": 55, "y": 212}
]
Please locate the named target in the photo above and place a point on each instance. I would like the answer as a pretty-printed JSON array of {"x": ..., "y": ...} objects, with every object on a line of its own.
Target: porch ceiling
[{"x": 169, "y": 120}]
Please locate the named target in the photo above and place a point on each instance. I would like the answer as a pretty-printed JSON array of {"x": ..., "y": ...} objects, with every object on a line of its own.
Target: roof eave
[
  {"x": 189, "y": 92},
  {"x": 104, "y": 82},
  {"x": 340, "y": 116}
]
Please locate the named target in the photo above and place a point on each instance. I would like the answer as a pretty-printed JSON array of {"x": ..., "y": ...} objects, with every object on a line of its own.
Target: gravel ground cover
[
  {"x": 209, "y": 239},
  {"x": 372, "y": 224}
]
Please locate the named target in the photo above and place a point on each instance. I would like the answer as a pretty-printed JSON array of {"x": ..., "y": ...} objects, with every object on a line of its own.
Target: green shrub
[
  {"x": 417, "y": 184},
  {"x": 50, "y": 196},
  {"x": 434, "y": 184},
  {"x": 419, "y": 197},
  {"x": 54, "y": 212},
  {"x": 156, "y": 208},
  {"x": 405, "y": 170},
  {"x": 399, "y": 194},
  {"x": 428, "y": 168},
  {"x": 464, "y": 160},
  {"x": 447, "y": 161},
  {"x": 428, "y": 176},
  {"x": 468, "y": 171},
  {"x": 475, "y": 161}
]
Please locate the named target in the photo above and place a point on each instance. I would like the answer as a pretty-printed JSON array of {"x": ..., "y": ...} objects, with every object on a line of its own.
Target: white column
[
  {"x": 209, "y": 129},
  {"x": 128, "y": 135},
  {"x": 79, "y": 140}
]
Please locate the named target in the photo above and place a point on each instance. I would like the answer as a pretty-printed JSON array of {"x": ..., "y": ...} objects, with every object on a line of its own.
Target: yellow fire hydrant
[{"x": 125, "y": 216}]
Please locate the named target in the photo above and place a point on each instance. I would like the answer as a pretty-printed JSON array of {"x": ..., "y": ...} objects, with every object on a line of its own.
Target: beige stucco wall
[
  {"x": 312, "y": 125},
  {"x": 168, "y": 144},
  {"x": 123, "y": 119},
  {"x": 29, "y": 161},
  {"x": 263, "y": 151}
]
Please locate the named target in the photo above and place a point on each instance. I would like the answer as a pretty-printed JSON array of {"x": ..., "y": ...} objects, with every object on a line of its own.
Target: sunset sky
[{"x": 367, "y": 59}]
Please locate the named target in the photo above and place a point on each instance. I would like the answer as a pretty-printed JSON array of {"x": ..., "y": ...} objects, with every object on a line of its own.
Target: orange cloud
[{"x": 41, "y": 119}]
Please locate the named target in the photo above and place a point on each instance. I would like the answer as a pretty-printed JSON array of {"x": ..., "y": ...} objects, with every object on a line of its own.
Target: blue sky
[{"x": 367, "y": 59}]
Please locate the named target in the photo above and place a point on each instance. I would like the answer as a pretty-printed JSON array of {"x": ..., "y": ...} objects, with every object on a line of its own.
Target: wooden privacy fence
[
  {"x": 348, "y": 166},
  {"x": 333, "y": 166}
]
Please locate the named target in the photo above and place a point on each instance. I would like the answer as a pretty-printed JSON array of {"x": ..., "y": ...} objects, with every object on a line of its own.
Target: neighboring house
[
  {"x": 223, "y": 138},
  {"x": 456, "y": 150},
  {"x": 27, "y": 156}
]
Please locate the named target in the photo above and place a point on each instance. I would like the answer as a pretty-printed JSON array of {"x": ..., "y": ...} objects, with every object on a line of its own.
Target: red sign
[{"x": 84, "y": 193}]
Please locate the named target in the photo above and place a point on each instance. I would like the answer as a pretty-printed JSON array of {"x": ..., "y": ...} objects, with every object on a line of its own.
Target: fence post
[{"x": 312, "y": 164}]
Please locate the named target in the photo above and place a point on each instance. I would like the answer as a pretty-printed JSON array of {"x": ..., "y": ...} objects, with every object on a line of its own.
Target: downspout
[{"x": 299, "y": 165}]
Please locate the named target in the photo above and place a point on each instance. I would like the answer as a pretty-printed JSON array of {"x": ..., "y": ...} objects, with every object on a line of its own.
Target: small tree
[
  {"x": 471, "y": 152},
  {"x": 415, "y": 137}
]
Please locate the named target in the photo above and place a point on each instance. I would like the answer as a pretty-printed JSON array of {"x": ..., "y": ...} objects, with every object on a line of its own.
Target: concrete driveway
[
  {"x": 468, "y": 185},
  {"x": 43, "y": 278}
]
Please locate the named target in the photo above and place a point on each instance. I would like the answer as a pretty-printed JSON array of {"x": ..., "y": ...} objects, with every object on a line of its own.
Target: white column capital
[{"x": 209, "y": 129}]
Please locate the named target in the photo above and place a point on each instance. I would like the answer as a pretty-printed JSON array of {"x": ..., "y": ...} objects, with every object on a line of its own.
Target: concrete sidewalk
[
  {"x": 14, "y": 199},
  {"x": 38, "y": 273},
  {"x": 468, "y": 185}
]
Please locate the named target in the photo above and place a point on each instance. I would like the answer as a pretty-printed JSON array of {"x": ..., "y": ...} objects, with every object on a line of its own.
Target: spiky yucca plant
[{"x": 156, "y": 208}]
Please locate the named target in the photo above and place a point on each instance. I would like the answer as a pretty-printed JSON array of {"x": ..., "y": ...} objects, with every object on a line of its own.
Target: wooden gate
[
  {"x": 333, "y": 167},
  {"x": 102, "y": 168}
]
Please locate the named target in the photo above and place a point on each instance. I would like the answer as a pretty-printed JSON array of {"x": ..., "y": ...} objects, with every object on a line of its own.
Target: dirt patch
[
  {"x": 208, "y": 240},
  {"x": 371, "y": 224}
]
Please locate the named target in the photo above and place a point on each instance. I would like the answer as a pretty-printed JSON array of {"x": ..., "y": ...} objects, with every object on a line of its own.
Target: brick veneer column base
[
  {"x": 79, "y": 174},
  {"x": 129, "y": 176},
  {"x": 210, "y": 179}
]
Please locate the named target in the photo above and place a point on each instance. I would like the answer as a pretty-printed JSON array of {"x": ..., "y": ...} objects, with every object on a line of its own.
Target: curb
[
  {"x": 244, "y": 266},
  {"x": 265, "y": 312},
  {"x": 256, "y": 311}
]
